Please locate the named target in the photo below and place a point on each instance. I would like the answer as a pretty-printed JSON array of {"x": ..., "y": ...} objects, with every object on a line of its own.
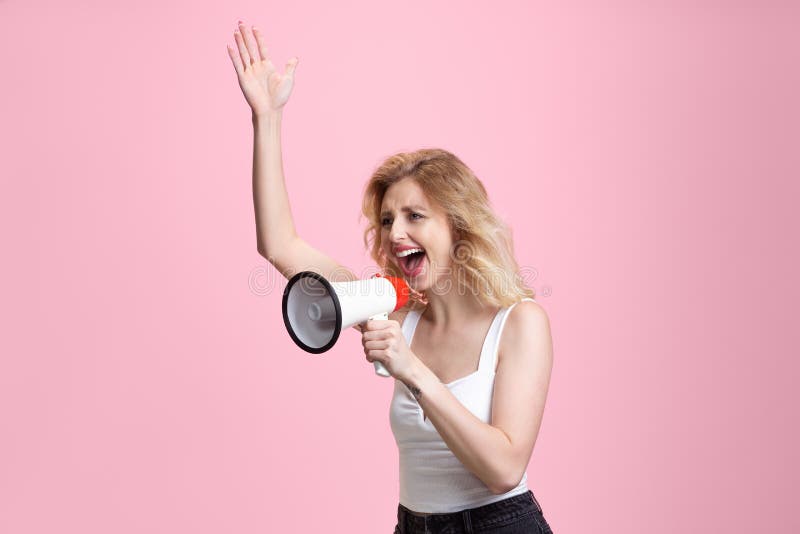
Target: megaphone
[{"x": 315, "y": 310}]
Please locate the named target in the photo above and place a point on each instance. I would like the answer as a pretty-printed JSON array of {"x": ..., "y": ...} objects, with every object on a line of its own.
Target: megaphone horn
[{"x": 315, "y": 310}]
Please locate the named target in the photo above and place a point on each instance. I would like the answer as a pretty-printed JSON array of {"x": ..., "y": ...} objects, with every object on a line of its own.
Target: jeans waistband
[{"x": 479, "y": 517}]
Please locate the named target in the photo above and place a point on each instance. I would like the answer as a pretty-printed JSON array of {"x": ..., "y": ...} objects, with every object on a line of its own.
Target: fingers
[
  {"x": 376, "y": 345},
  {"x": 249, "y": 43},
  {"x": 378, "y": 324},
  {"x": 242, "y": 48},
  {"x": 374, "y": 355},
  {"x": 262, "y": 46},
  {"x": 237, "y": 62},
  {"x": 291, "y": 65},
  {"x": 374, "y": 335},
  {"x": 252, "y": 48}
]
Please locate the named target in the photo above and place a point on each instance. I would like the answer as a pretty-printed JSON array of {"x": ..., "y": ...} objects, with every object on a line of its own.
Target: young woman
[{"x": 471, "y": 353}]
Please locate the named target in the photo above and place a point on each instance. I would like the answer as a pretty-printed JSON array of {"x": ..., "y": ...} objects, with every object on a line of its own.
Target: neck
[{"x": 450, "y": 310}]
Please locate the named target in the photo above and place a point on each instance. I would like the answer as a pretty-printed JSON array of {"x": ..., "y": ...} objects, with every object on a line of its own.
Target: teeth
[{"x": 405, "y": 253}]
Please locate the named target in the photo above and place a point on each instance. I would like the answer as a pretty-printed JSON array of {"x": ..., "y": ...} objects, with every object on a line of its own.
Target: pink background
[{"x": 645, "y": 156}]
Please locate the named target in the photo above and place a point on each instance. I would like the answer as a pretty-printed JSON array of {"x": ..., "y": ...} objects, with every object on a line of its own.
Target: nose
[{"x": 396, "y": 232}]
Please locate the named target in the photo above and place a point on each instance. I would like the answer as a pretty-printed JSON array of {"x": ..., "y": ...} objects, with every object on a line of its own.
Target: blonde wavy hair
[{"x": 482, "y": 252}]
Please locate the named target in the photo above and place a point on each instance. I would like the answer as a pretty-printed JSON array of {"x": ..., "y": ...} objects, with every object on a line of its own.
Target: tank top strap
[
  {"x": 491, "y": 345},
  {"x": 409, "y": 325}
]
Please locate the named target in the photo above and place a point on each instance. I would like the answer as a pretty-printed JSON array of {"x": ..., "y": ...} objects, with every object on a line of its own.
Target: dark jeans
[{"x": 516, "y": 515}]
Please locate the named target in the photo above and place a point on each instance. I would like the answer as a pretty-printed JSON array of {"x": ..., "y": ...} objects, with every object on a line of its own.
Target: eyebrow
[{"x": 415, "y": 207}]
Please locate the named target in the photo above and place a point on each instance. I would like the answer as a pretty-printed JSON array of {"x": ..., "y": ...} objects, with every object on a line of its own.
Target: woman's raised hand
[{"x": 265, "y": 89}]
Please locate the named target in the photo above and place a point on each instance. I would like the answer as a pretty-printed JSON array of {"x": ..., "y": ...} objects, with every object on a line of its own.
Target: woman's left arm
[{"x": 497, "y": 453}]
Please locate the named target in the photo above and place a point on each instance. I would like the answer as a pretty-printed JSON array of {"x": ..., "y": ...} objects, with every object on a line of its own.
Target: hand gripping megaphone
[{"x": 315, "y": 311}]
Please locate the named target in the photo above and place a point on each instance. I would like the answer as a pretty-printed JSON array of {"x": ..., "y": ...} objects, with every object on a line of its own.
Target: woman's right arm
[
  {"x": 267, "y": 91},
  {"x": 276, "y": 237}
]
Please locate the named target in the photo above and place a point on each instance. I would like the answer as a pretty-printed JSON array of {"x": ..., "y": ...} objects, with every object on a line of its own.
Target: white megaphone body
[{"x": 315, "y": 311}]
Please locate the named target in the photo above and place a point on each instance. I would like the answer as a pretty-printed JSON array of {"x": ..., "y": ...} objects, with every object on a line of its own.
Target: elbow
[
  {"x": 501, "y": 488},
  {"x": 506, "y": 484},
  {"x": 268, "y": 254},
  {"x": 264, "y": 251},
  {"x": 269, "y": 257}
]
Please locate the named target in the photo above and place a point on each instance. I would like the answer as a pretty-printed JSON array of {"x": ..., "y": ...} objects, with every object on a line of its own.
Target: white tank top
[{"x": 432, "y": 479}]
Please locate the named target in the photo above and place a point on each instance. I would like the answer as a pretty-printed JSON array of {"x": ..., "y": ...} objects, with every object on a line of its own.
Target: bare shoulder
[
  {"x": 525, "y": 312},
  {"x": 527, "y": 325}
]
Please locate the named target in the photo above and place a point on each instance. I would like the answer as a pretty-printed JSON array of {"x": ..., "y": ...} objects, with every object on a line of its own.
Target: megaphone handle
[{"x": 380, "y": 370}]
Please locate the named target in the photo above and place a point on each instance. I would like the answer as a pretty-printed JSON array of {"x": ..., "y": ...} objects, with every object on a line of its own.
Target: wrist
[
  {"x": 272, "y": 115},
  {"x": 418, "y": 378}
]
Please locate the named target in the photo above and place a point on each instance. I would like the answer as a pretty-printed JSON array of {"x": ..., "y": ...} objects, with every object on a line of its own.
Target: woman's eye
[{"x": 414, "y": 216}]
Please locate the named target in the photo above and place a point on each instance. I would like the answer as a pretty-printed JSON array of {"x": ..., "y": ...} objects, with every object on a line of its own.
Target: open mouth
[{"x": 412, "y": 264}]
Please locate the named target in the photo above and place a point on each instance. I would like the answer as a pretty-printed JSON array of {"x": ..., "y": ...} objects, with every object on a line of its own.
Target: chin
[{"x": 422, "y": 283}]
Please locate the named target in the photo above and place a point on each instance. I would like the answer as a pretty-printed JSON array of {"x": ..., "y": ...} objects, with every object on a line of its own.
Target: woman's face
[{"x": 409, "y": 221}]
